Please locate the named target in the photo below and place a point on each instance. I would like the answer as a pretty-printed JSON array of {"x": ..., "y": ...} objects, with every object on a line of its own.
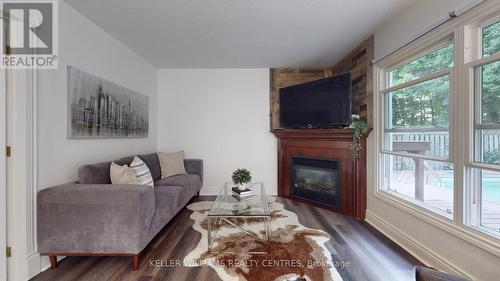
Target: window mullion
[
  {"x": 486, "y": 126},
  {"x": 408, "y": 130},
  {"x": 476, "y": 189},
  {"x": 426, "y": 78},
  {"x": 417, "y": 156},
  {"x": 483, "y": 61},
  {"x": 470, "y": 189},
  {"x": 457, "y": 129},
  {"x": 484, "y": 166}
]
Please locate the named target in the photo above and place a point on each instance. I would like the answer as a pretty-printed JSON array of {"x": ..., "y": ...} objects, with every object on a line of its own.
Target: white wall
[
  {"x": 222, "y": 117},
  {"x": 84, "y": 45},
  {"x": 412, "y": 22}
]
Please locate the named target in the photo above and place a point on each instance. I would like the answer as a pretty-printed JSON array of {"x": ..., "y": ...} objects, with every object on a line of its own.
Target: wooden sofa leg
[
  {"x": 53, "y": 262},
  {"x": 136, "y": 262}
]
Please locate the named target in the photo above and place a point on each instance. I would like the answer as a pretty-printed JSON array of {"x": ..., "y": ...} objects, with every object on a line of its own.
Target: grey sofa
[{"x": 92, "y": 217}]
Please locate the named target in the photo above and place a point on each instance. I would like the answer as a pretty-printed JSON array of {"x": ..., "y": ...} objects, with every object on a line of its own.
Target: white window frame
[
  {"x": 474, "y": 59},
  {"x": 438, "y": 74},
  {"x": 461, "y": 147},
  {"x": 385, "y": 88}
]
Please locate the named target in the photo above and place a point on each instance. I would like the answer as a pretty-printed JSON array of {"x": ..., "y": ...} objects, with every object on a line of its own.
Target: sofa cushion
[
  {"x": 169, "y": 200},
  {"x": 99, "y": 173},
  {"x": 172, "y": 164},
  {"x": 153, "y": 164},
  {"x": 141, "y": 171},
  {"x": 122, "y": 174},
  {"x": 94, "y": 173},
  {"x": 191, "y": 183}
]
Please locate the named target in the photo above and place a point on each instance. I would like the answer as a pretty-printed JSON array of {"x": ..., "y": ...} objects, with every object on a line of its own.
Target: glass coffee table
[{"x": 229, "y": 209}]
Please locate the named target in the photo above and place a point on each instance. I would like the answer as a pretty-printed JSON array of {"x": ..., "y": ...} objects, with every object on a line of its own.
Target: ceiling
[{"x": 240, "y": 33}]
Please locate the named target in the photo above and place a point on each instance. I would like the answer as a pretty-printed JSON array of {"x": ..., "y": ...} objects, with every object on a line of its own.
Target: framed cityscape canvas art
[{"x": 98, "y": 108}]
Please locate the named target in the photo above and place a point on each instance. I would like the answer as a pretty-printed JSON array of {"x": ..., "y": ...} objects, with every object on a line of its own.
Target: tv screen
[{"x": 324, "y": 103}]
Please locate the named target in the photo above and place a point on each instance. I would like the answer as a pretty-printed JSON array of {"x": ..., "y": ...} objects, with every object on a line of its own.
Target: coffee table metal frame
[{"x": 234, "y": 208}]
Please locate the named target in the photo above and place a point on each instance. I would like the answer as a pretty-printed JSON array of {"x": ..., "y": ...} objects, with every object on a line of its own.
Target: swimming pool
[{"x": 491, "y": 187}]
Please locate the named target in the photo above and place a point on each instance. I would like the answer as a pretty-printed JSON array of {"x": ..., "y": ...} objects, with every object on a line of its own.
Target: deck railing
[
  {"x": 439, "y": 146},
  {"x": 491, "y": 141}
]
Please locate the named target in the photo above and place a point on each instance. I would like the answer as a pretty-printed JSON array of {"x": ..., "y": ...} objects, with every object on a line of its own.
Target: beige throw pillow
[
  {"x": 122, "y": 174},
  {"x": 172, "y": 164}
]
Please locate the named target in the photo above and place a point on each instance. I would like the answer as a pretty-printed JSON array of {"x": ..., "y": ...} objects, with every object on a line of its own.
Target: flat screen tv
[{"x": 324, "y": 103}]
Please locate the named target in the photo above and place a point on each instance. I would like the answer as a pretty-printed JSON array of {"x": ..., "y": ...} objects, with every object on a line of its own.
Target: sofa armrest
[
  {"x": 423, "y": 273},
  {"x": 94, "y": 218},
  {"x": 194, "y": 166}
]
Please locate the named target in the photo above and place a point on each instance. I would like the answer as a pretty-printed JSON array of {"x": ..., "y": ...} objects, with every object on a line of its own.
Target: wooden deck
[
  {"x": 490, "y": 217},
  {"x": 442, "y": 198}
]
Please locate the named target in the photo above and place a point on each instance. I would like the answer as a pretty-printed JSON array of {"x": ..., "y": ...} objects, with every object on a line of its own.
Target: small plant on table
[{"x": 241, "y": 177}]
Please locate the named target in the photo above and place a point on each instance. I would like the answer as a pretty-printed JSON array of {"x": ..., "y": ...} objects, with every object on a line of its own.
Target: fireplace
[
  {"x": 316, "y": 179},
  {"x": 316, "y": 167}
]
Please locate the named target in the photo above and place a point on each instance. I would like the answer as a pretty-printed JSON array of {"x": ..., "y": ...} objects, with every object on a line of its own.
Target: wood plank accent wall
[{"x": 358, "y": 62}]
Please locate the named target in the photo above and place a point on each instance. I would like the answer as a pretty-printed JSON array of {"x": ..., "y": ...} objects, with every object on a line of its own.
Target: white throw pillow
[
  {"x": 122, "y": 174},
  {"x": 141, "y": 171},
  {"x": 172, "y": 164}
]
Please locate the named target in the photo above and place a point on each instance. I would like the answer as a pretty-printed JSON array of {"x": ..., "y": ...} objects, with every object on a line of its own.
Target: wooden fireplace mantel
[
  {"x": 331, "y": 134},
  {"x": 325, "y": 143}
]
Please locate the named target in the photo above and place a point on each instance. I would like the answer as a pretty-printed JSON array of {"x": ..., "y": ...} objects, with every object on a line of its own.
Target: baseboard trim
[
  {"x": 34, "y": 265},
  {"x": 425, "y": 255},
  {"x": 210, "y": 191}
]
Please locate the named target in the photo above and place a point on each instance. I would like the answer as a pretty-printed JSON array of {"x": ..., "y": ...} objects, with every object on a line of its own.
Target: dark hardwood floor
[{"x": 370, "y": 255}]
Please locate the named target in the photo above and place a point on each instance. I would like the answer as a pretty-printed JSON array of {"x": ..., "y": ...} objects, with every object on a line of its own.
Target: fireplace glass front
[{"x": 317, "y": 180}]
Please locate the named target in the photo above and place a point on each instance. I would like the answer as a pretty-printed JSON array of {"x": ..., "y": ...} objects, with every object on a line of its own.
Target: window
[
  {"x": 485, "y": 199},
  {"x": 487, "y": 125},
  {"x": 430, "y": 182},
  {"x": 485, "y": 172},
  {"x": 490, "y": 39},
  {"x": 432, "y": 62},
  {"x": 416, "y": 141},
  {"x": 438, "y": 127}
]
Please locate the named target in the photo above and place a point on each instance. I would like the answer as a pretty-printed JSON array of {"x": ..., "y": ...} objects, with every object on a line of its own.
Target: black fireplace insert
[{"x": 316, "y": 179}]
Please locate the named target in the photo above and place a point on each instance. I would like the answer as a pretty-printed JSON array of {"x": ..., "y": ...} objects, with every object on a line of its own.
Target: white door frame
[
  {"x": 18, "y": 183},
  {"x": 3, "y": 176},
  {"x": 18, "y": 173}
]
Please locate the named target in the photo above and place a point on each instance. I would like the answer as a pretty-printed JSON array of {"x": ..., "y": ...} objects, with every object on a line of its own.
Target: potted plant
[{"x": 241, "y": 178}]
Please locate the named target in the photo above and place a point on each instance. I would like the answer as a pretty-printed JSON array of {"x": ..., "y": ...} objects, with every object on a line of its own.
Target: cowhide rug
[{"x": 294, "y": 252}]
